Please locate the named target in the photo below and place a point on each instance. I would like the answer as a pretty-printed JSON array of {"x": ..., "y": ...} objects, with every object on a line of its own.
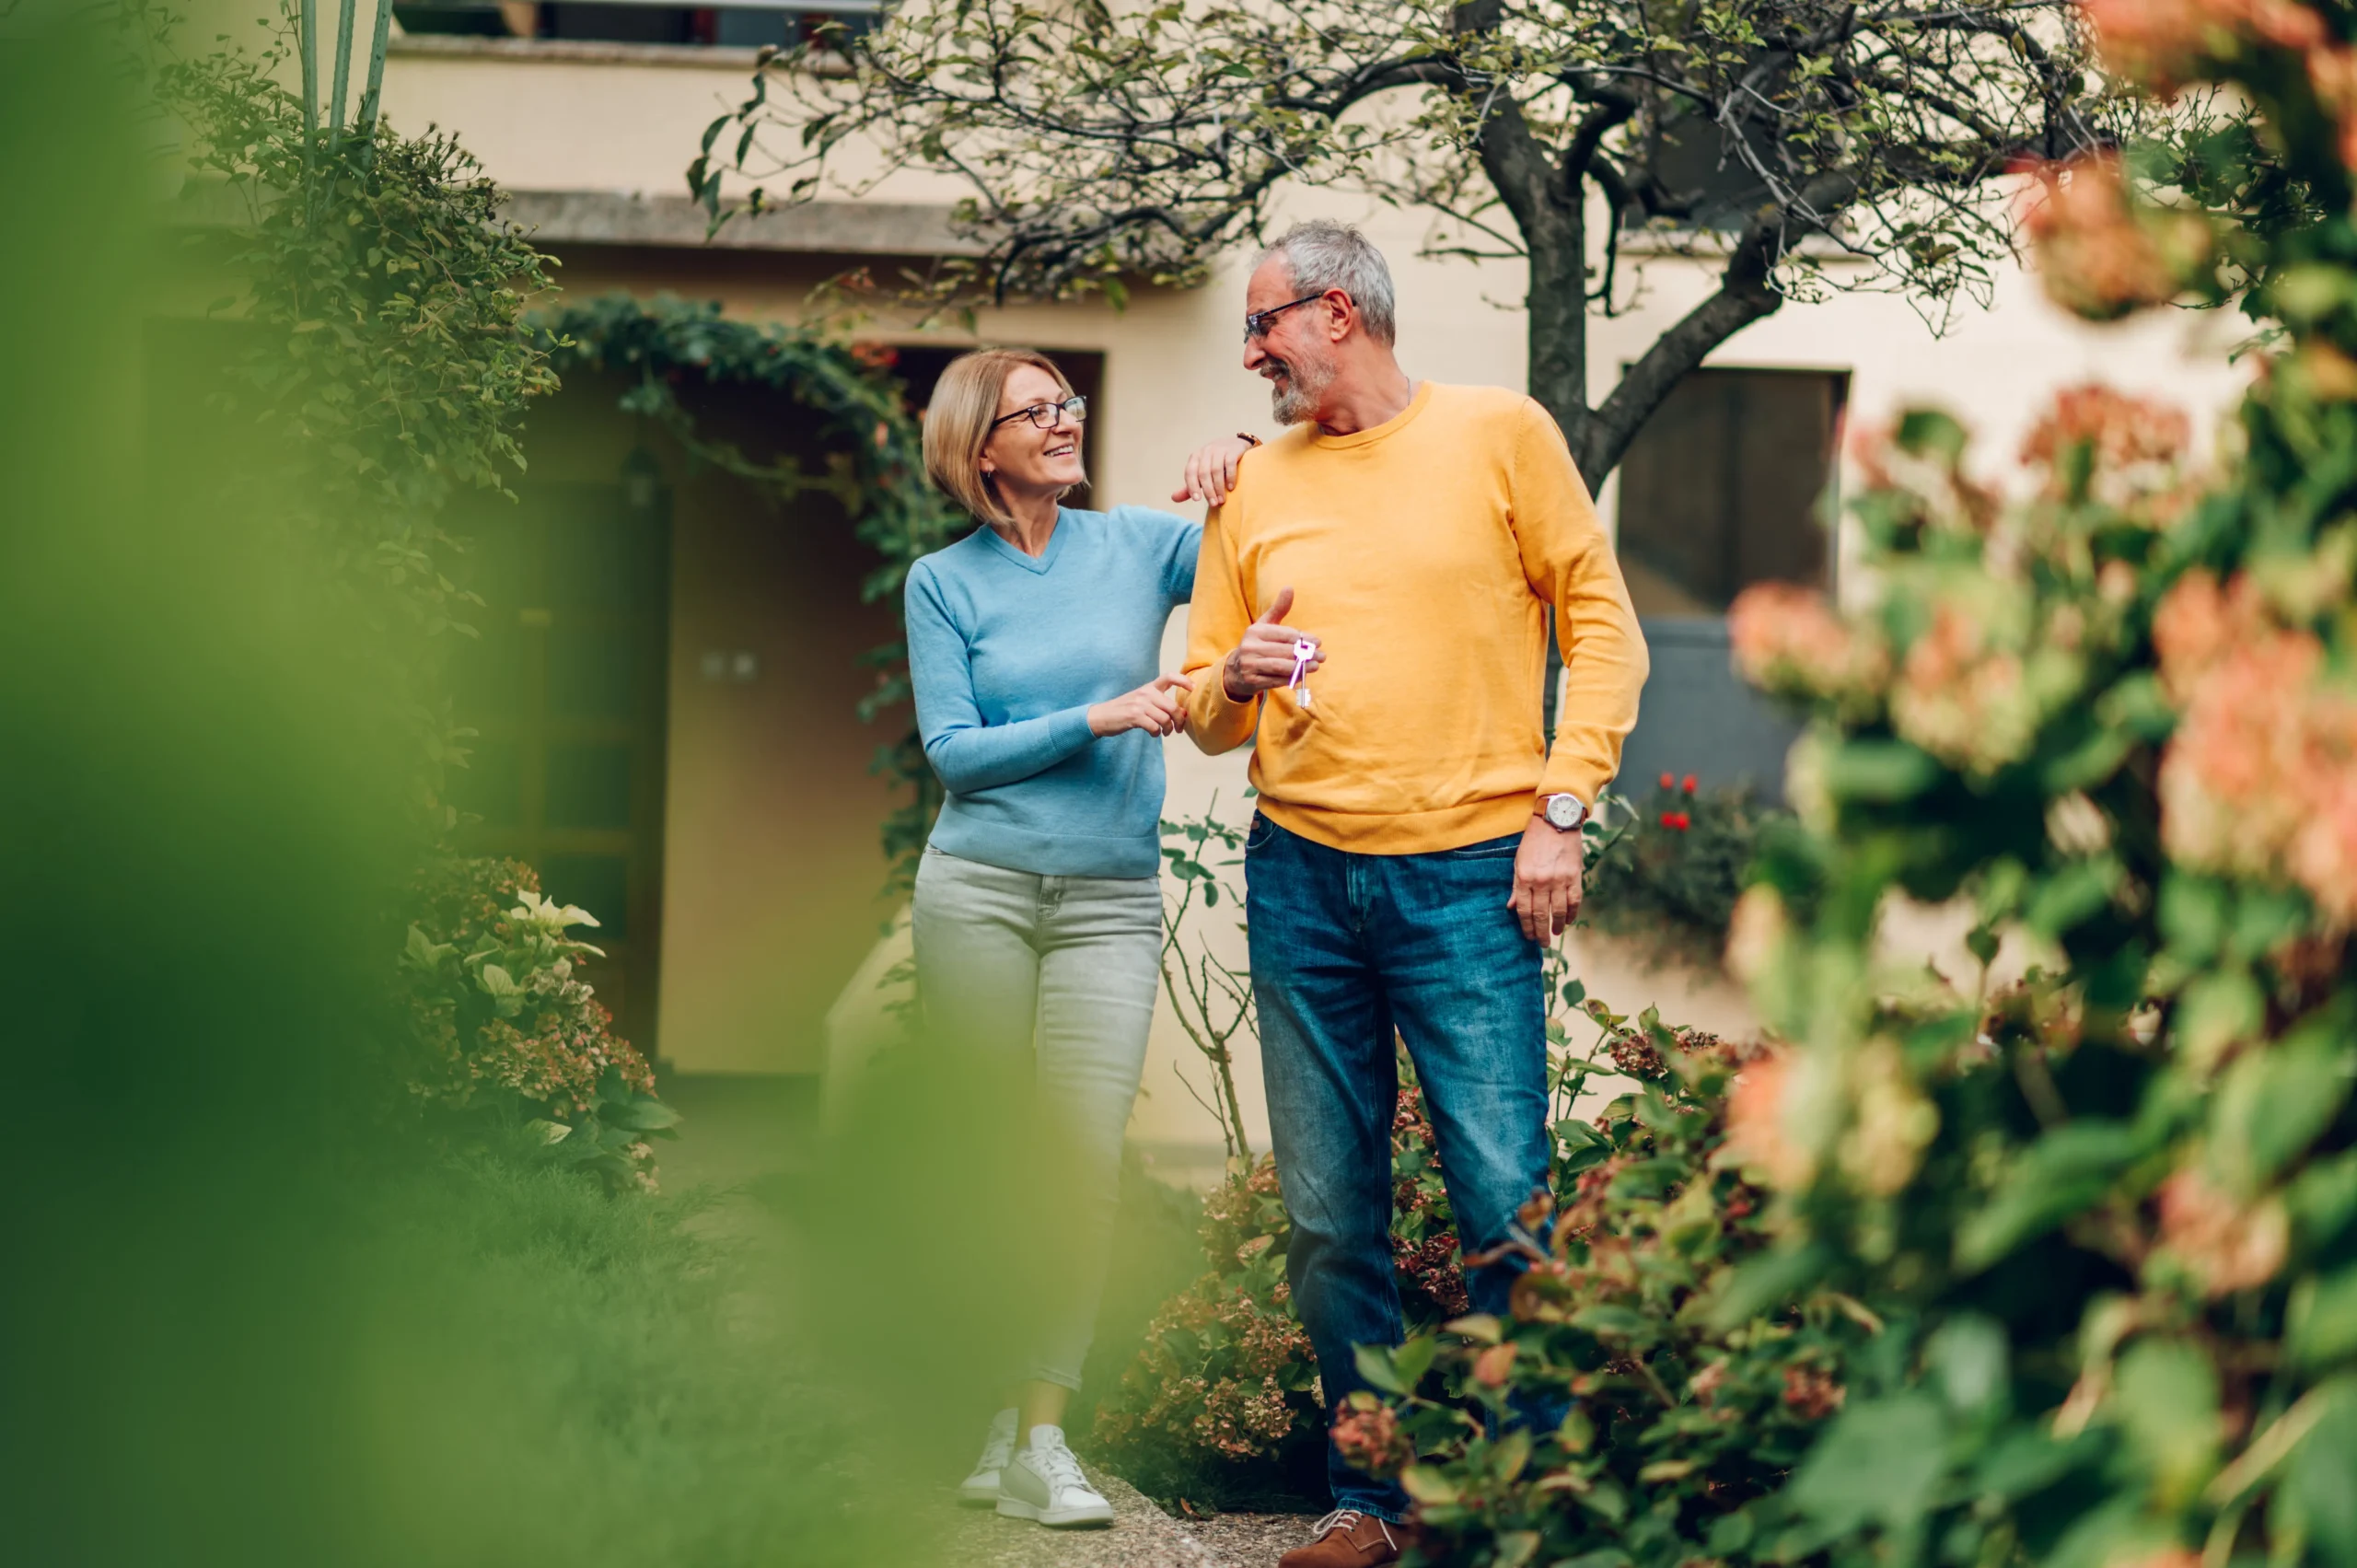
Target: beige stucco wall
[{"x": 1173, "y": 379}]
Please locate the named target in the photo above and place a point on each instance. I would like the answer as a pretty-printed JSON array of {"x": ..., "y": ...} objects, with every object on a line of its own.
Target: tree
[{"x": 1803, "y": 145}]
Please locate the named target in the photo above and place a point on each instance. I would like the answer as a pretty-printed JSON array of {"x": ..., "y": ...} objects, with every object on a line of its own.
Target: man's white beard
[{"x": 1295, "y": 400}]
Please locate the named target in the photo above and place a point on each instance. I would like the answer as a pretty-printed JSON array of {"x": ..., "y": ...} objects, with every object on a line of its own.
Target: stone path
[{"x": 1142, "y": 1535}]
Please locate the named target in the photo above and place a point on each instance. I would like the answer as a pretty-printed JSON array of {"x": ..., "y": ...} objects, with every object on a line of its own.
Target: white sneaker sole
[
  {"x": 1056, "y": 1518},
  {"x": 971, "y": 1494}
]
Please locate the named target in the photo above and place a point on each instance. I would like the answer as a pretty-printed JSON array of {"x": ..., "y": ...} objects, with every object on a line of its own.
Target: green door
[{"x": 567, "y": 688}]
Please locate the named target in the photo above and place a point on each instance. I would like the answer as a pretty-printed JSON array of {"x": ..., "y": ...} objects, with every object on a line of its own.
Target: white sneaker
[
  {"x": 981, "y": 1489},
  {"x": 1044, "y": 1482}
]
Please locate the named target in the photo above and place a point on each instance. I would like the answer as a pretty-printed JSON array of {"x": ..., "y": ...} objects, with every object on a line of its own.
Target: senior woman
[{"x": 1033, "y": 647}]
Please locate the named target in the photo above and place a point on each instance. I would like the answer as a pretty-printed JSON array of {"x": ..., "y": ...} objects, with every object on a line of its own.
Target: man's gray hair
[{"x": 1323, "y": 254}]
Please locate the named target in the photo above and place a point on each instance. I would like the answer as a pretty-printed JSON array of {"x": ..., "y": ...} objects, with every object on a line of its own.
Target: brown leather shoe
[{"x": 1346, "y": 1539}]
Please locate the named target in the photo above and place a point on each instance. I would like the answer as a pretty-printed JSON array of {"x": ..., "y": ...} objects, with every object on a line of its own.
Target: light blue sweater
[{"x": 1007, "y": 654}]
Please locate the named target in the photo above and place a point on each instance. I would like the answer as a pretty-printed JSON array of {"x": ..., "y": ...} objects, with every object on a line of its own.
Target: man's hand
[
  {"x": 1264, "y": 659},
  {"x": 1547, "y": 879},
  {"x": 1211, "y": 471}
]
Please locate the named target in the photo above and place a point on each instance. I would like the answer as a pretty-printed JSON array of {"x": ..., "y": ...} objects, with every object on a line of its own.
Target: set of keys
[{"x": 1303, "y": 652}]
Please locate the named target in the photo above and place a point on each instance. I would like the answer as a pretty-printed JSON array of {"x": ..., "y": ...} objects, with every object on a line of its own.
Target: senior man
[{"x": 1372, "y": 600}]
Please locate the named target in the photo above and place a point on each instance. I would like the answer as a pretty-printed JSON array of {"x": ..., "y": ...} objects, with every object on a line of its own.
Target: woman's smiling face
[{"x": 1022, "y": 456}]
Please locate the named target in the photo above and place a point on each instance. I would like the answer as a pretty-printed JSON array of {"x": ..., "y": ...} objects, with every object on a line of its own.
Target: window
[
  {"x": 726, "y": 24},
  {"x": 1725, "y": 487}
]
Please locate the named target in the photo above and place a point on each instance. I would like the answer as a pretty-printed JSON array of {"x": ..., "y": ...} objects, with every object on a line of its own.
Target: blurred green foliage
[
  {"x": 246, "y": 1320},
  {"x": 379, "y": 296}
]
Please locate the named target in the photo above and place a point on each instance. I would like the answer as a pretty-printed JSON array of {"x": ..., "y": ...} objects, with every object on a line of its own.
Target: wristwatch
[{"x": 1563, "y": 811}]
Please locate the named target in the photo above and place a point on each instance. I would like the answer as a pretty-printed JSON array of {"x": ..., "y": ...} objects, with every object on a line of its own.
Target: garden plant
[
  {"x": 2071, "y": 1214},
  {"x": 1669, "y": 880}
]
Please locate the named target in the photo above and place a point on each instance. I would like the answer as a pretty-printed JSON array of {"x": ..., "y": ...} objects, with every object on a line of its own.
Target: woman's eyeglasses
[
  {"x": 1257, "y": 323},
  {"x": 1044, "y": 415}
]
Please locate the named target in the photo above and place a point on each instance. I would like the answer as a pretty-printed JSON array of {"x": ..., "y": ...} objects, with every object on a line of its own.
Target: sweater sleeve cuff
[
  {"x": 1570, "y": 776},
  {"x": 1217, "y": 722},
  {"x": 1068, "y": 731}
]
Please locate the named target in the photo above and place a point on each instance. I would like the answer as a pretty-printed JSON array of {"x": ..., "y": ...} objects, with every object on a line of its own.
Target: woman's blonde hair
[{"x": 958, "y": 421}]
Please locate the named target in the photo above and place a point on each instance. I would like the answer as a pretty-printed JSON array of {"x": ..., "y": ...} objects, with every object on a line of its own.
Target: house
[{"x": 675, "y": 742}]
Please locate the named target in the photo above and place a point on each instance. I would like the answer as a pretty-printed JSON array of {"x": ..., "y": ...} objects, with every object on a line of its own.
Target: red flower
[
  {"x": 1676, "y": 821},
  {"x": 1686, "y": 783},
  {"x": 1668, "y": 781}
]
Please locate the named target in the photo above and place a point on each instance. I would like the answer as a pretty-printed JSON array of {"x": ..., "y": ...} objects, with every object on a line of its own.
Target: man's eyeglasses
[
  {"x": 1044, "y": 415},
  {"x": 1257, "y": 323}
]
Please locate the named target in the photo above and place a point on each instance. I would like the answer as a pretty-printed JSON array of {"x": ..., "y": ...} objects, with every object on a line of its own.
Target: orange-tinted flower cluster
[
  {"x": 1961, "y": 694},
  {"x": 2129, "y": 453},
  {"x": 2225, "y": 1245},
  {"x": 1787, "y": 639},
  {"x": 1372, "y": 1440},
  {"x": 2102, "y": 258},
  {"x": 1227, "y": 1399},
  {"x": 1755, "y": 1135},
  {"x": 2166, "y": 43},
  {"x": 2260, "y": 779},
  {"x": 1812, "y": 1392},
  {"x": 1636, "y": 1055}
]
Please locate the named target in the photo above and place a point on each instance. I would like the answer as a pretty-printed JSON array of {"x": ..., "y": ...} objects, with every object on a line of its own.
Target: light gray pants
[{"x": 1062, "y": 970}]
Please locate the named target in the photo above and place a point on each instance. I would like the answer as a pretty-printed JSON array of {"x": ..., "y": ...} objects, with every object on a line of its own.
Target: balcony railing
[{"x": 722, "y": 24}]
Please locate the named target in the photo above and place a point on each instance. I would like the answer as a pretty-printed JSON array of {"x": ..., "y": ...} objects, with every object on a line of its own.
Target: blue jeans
[{"x": 1346, "y": 948}]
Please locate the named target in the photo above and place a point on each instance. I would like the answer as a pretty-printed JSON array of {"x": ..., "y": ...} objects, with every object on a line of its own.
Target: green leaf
[
  {"x": 1426, "y": 1484},
  {"x": 2062, "y": 1174},
  {"x": 2273, "y": 1102},
  {"x": 642, "y": 1114},
  {"x": 1928, "y": 431},
  {"x": 2317, "y": 1480},
  {"x": 1412, "y": 1360},
  {"x": 1881, "y": 1461},
  {"x": 2324, "y": 1323},
  {"x": 1880, "y": 772},
  {"x": 1374, "y": 1363},
  {"x": 1969, "y": 1353},
  {"x": 2167, "y": 1397}
]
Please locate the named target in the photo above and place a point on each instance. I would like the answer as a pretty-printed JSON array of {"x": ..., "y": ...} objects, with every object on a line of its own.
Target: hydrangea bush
[
  {"x": 506, "y": 1040},
  {"x": 1221, "y": 1404},
  {"x": 2074, "y": 1254}
]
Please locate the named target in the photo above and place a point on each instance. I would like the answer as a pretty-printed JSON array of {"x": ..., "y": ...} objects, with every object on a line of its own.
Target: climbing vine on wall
[{"x": 875, "y": 471}]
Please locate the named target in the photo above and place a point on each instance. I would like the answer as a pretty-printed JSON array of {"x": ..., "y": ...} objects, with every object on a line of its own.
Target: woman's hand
[
  {"x": 1211, "y": 472},
  {"x": 1157, "y": 706}
]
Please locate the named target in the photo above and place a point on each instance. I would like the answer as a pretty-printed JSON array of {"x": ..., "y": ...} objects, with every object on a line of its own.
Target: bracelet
[{"x": 1248, "y": 437}]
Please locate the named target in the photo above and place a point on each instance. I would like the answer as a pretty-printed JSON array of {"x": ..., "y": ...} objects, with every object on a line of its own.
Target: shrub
[
  {"x": 1671, "y": 874},
  {"x": 1673, "y": 1428},
  {"x": 506, "y": 1040},
  {"x": 2111, "y": 1213},
  {"x": 1222, "y": 1403}
]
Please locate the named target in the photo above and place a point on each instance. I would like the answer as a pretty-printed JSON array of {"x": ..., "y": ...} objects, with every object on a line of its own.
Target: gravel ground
[
  {"x": 1246, "y": 1541},
  {"x": 1142, "y": 1535}
]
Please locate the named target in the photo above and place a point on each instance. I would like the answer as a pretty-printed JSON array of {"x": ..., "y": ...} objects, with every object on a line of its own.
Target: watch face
[{"x": 1564, "y": 811}]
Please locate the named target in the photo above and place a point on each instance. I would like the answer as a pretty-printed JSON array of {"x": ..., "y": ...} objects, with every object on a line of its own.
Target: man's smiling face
[{"x": 1295, "y": 357}]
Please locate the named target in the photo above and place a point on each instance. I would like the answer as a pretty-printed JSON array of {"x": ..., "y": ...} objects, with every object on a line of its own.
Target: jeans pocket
[
  {"x": 1258, "y": 834},
  {"x": 1489, "y": 849}
]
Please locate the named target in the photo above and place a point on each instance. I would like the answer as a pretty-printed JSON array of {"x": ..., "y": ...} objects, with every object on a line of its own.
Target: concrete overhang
[
  {"x": 625, "y": 218},
  {"x": 832, "y": 228}
]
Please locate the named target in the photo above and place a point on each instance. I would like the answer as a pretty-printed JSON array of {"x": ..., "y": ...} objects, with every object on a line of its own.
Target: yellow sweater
[{"x": 1422, "y": 554}]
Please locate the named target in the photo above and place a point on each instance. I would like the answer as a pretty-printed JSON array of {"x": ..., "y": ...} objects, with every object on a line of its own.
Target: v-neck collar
[{"x": 1036, "y": 564}]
